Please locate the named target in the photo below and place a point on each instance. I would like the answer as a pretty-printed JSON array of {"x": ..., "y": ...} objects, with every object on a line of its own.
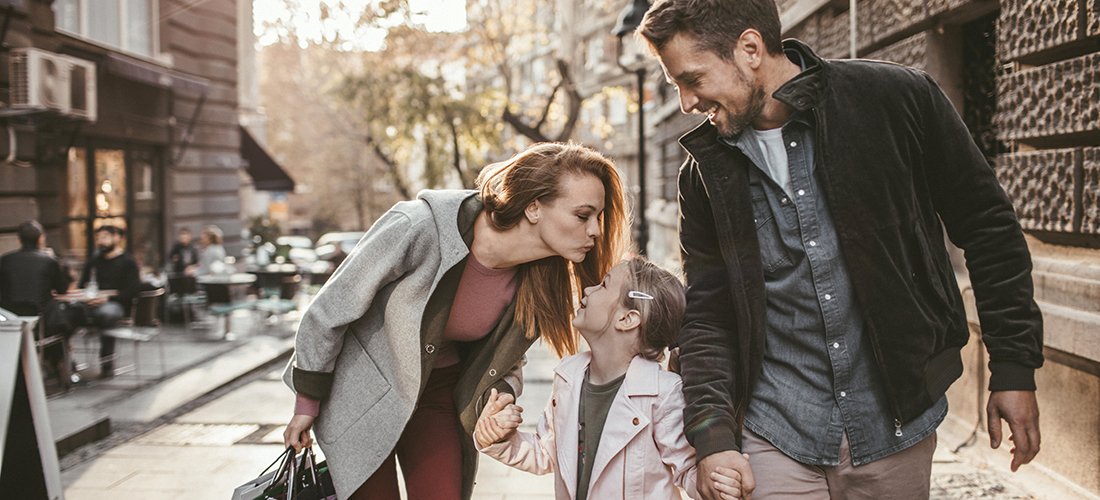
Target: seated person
[
  {"x": 183, "y": 253},
  {"x": 113, "y": 269},
  {"x": 28, "y": 279}
]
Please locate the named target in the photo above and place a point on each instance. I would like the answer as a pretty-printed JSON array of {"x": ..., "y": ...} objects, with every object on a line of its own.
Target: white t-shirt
[{"x": 775, "y": 156}]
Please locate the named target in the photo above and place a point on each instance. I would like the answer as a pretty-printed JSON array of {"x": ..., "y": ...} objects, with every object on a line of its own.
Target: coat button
[
  {"x": 553, "y": 402},
  {"x": 492, "y": 372},
  {"x": 635, "y": 420},
  {"x": 430, "y": 348}
]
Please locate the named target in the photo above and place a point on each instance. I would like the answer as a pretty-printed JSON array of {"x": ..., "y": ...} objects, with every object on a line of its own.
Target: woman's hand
[{"x": 297, "y": 432}]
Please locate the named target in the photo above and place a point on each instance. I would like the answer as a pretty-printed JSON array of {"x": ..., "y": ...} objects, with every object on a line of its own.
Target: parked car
[
  {"x": 301, "y": 250},
  {"x": 328, "y": 242}
]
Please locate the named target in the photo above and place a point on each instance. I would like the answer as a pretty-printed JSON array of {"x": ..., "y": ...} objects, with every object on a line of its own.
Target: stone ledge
[{"x": 1071, "y": 330}]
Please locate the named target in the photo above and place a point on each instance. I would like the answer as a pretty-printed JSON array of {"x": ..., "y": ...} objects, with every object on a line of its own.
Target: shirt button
[
  {"x": 492, "y": 372},
  {"x": 793, "y": 144},
  {"x": 635, "y": 420},
  {"x": 801, "y": 192},
  {"x": 828, "y": 297},
  {"x": 430, "y": 348},
  {"x": 843, "y": 394},
  {"x": 836, "y": 345},
  {"x": 813, "y": 243},
  {"x": 783, "y": 201}
]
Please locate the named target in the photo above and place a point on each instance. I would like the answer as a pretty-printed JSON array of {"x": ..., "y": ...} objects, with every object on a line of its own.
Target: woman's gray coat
[{"x": 366, "y": 343}]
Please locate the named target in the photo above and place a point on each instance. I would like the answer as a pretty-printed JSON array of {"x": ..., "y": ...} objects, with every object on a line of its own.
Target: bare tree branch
[{"x": 391, "y": 166}]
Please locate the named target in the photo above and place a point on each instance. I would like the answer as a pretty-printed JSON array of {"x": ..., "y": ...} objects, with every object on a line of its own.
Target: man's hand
[
  {"x": 1021, "y": 410},
  {"x": 499, "y": 420},
  {"x": 717, "y": 474},
  {"x": 297, "y": 432},
  {"x": 95, "y": 301}
]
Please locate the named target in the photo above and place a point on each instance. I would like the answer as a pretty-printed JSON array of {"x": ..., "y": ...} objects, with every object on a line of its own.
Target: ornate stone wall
[
  {"x": 1094, "y": 18},
  {"x": 1030, "y": 26},
  {"x": 1055, "y": 99},
  {"x": 1040, "y": 184},
  {"x": 911, "y": 52},
  {"x": 1090, "y": 177},
  {"x": 825, "y": 32}
]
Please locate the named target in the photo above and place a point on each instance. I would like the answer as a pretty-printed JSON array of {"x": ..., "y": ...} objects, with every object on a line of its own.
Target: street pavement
[{"x": 204, "y": 449}]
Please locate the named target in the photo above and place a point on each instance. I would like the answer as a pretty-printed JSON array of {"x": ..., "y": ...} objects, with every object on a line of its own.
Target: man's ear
[
  {"x": 628, "y": 320},
  {"x": 751, "y": 46}
]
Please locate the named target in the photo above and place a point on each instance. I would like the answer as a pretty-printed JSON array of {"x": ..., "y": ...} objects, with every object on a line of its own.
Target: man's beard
[
  {"x": 107, "y": 249},
  {"x": 738, "y": 121}
]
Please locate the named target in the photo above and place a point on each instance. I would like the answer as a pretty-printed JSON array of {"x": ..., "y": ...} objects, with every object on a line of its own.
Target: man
[
  {"x": 824, "y": 322},
  {"x": 28, "y": 279},
  {"x": 183, "y": 253},
  {"x": 114, "y": 269}
]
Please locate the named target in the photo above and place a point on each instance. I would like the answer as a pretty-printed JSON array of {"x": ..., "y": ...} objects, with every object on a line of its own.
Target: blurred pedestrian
[
  {"x": 437, "y": 305},
  {"x": 183, "y": 254},
  {"x": 29, "y": 278},
  {"x": 110, "y": 268},
  {"x": 211, "y": 253}
]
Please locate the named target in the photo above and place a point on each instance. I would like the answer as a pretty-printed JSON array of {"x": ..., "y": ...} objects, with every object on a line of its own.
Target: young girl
[{"x": 614, "y": 425}]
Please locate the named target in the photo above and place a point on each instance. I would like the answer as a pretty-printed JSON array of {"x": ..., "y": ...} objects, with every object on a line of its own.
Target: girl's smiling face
[{"x": 602, "y": 303}]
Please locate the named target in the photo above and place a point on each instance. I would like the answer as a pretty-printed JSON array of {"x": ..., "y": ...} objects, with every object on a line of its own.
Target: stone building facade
[
  {"x": 1025, "y": 76},
  {"x": 163, "y": 151}
]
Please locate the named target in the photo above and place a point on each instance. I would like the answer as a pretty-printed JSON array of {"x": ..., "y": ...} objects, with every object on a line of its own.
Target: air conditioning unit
[{"x": 44, "y": 80}]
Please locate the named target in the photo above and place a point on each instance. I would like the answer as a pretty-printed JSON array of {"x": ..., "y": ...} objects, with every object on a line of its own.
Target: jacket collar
[
  {"x": 454, "y": 212},
  {"x": 803, "y": 92},
  {"x": 641, "y": 375}
]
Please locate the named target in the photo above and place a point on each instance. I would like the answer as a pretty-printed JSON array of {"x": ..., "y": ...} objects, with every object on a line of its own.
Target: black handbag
[{"x": 313, "y": 480}]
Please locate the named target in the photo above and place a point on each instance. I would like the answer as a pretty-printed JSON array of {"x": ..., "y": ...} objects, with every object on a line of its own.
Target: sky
[{"x": 437, "y": 15}]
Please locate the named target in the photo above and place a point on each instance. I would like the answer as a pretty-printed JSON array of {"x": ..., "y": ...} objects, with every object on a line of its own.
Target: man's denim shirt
[{"x": 819, "y": 376}]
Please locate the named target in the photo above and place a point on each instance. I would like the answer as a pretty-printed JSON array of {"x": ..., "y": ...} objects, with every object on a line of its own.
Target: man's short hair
[
  {"x": 716, "y": 25},
  {"x": 115, "y": 230},
  {"x": 29, "y": 233}
]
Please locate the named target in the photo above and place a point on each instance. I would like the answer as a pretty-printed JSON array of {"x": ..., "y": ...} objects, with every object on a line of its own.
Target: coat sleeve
[
  {"x": 706, "y": 348},
  {"x": 980, "y": 219},
  {"x": 381, "y": 257},
  {"x": 668, "y": 434},
  {"x": 534, "y": 453}
]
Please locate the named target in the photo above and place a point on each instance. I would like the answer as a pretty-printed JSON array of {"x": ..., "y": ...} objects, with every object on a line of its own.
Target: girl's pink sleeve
[{"x": 305, "y": 405}]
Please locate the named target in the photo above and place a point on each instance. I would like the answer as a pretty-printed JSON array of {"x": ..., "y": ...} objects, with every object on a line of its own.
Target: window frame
[{"x": 123, "y": 32}]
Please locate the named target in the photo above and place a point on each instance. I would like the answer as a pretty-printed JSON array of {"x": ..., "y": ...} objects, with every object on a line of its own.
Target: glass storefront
[{"x": 118, "y": 186}]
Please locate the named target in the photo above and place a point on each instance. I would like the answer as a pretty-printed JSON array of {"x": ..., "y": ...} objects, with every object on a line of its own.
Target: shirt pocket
[{"x": 772, "y": 252}]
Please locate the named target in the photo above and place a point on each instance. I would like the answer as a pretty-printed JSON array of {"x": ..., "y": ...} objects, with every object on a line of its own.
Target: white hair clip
[{"x": 634, "y": 294}]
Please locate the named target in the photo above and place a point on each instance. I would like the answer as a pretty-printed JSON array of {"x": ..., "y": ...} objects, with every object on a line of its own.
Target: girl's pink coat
[{"x": 642, "y": 454}]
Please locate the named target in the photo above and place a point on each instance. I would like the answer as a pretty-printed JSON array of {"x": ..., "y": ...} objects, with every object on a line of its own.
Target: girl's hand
[
  {"x": 727, "y": 482},
  {"x": 499, "y": 420},
  {"x": 297, "y": 432}
]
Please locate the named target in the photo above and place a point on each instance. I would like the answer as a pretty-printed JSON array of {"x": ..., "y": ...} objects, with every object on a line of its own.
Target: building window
[
  {"x": 122, "y": 24},
  {"x": 118, "y": 186}
]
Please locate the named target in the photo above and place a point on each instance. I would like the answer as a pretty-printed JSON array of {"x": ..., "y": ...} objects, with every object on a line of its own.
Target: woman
[
  {"x": 211, "y": 252},
  {"x": 436, "y": 305}
]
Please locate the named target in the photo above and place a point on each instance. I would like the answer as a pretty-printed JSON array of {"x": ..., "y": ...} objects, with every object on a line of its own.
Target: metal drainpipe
[{"x": 852, "y": 29}]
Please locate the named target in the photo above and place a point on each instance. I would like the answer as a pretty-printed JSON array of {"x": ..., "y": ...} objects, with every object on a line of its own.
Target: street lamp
[{"x": 632, "y": 60}]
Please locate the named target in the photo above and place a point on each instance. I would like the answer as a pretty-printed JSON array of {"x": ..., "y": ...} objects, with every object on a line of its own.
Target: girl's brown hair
[
  {"x": 661, "y": 315},
  {"x": 544, "y": 297}
]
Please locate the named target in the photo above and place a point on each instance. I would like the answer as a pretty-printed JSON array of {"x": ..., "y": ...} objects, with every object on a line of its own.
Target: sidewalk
[{"x": 205, "y": 448}]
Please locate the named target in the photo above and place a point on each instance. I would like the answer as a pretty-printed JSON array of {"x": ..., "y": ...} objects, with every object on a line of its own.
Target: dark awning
[
  {"x": 266, "y": 174},
  {"x": 141, "y": 71}
]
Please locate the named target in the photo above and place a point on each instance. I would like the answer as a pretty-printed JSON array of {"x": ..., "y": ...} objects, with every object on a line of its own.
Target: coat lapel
[
  {"x": 625, "y": 419},
  {"x": 569, "y": 378}
]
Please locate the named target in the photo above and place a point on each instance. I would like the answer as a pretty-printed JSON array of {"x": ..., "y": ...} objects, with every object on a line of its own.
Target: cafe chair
[
  {"x": 42, "y": 342},
  {"x": 285, "y": 302},
  {"x": 142, "y": 326},
  {"x": 183, "y": 291}
]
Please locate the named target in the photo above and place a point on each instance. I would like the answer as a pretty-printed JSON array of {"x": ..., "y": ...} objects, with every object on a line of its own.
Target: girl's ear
[
  {"x": 532, "y": 212},
  {"x": 630, "y": 319}
]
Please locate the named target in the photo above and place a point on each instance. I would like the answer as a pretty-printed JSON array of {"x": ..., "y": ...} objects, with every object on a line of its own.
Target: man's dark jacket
[
  {"x": 28, "y": 278},
  {"x": 894, "y": 159}
]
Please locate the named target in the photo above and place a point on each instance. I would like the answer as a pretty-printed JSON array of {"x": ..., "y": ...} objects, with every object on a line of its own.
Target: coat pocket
[{"x": 356, "y": 386}]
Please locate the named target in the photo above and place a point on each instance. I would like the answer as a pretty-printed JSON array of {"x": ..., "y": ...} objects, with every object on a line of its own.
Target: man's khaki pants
[{"x": 903, "y": 475}]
